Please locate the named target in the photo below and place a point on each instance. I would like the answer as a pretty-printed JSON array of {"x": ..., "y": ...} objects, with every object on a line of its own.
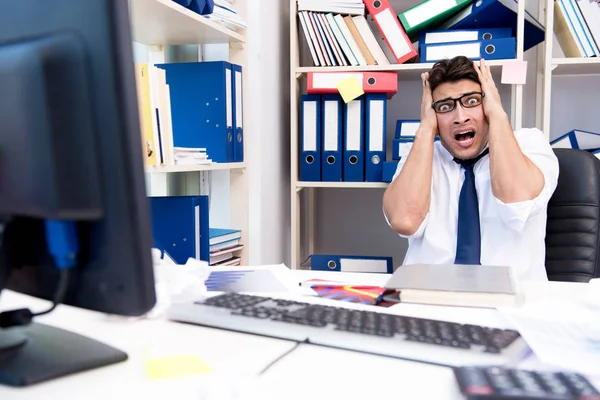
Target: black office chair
[{"x": 573, "y": 227}]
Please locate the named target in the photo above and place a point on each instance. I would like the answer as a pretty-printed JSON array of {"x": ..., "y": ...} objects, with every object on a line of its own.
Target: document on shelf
[{"x": 563, "y": 334}]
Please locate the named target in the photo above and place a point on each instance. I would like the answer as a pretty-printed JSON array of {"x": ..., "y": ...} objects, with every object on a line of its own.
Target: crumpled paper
[{"x": 177, "y": 283}]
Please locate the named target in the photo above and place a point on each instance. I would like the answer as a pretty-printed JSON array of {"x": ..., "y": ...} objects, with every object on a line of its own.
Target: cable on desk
[
  {"x": 281, "y": 357},
  {"x": 59, "y": 294},
  {"x": 63, "y": 246}
]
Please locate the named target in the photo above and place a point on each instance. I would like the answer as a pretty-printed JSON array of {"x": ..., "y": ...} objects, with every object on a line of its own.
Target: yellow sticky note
[
  {"x": 350, "y": 88},
  {"x": 176, "y": 366},
  {"x": 514, "y": 72}
]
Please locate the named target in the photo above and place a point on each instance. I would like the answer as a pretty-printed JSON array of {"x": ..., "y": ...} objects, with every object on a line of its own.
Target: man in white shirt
[{"x": 479, "y": 195}]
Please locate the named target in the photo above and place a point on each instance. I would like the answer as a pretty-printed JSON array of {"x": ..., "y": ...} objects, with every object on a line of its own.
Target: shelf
[
  {"x": 576, "y": 66},
  {"x": 196, "y": 168},
  {"x": 406, "y": 71},
  {"x": 344, "y": 185},
  {"x": 164, "y": 22}
]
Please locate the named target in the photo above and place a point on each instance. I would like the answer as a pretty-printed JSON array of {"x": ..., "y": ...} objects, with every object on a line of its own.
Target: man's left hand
[{"x": 492, "y": 104}]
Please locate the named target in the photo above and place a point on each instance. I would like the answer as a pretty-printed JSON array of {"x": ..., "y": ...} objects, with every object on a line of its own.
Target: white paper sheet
[{"x": 564, "y": 334}]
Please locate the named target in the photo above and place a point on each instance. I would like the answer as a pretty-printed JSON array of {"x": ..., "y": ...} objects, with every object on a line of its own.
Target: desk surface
[{"x": 308, "y": 372}]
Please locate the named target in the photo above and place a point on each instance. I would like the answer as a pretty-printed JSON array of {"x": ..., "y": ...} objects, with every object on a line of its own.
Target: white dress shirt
[{"x": 511, "y": 234}]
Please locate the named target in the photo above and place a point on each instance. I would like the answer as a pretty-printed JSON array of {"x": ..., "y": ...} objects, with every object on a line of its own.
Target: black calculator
[{"x": 501, "y": 383}]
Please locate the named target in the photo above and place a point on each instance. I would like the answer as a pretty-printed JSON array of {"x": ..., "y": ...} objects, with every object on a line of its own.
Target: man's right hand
[{"x": 428, "y": 117}]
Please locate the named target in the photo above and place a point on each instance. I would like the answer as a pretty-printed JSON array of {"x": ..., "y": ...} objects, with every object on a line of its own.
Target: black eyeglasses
[{"x": 468, "y": 100}]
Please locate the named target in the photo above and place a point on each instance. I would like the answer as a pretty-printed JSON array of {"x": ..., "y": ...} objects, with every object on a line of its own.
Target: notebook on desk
[{"x": 455, "y": 285}]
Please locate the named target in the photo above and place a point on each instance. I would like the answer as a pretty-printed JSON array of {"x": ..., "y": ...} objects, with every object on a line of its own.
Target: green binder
[{"x": 429, "y": 14}]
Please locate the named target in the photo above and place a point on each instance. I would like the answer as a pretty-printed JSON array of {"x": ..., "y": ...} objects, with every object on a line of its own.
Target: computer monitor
[{"x": 74, "y": 216}]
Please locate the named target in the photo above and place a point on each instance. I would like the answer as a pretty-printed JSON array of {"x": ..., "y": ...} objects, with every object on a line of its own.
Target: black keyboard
[{"x": 439, "y": 342}]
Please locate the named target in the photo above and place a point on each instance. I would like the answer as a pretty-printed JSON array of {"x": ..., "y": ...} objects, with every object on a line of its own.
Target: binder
[
  {"x": 577, "y": 139},
  {"x": 354, "y": 140},
  {"x": 497, "y": 14},
  {"x": 150, "y": 146},
  {"x": 370, "y": 41},
  {"x": 202, "y": 7},
  {"x": 406, "y": 128},
  {"x": 332, "y": 121},
  {"x": 401, "y": 147},
  {"x": 238, "y": 114},
  {"x": 494, "y": 49},
  {"x": 202, "y": 106},
  {"x": 184, "y": 3},
  {"x": 391, "y": 29},
  {"x": 375, "y": 128},
  {"x": 581, "y": 28},
  {"x": 362, "y": 46},
  {"x": 463, "y": 35},
  {"x": 429, "y": 14},
  {"x": 180, "y": 226},
  {"x": 590, "y": 11},
  {"x": 310, "y": 138},
  {"x": 351, "y": 263},
  {"x": 565, "y": 32},
  {"x": 389, "y": 170},
  {"x": 372, "y": 82}
]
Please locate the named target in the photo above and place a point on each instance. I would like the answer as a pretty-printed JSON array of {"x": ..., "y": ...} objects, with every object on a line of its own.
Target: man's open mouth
[
  {"x": 465, "y": 138},
  {"x": 462, "y": 136}
]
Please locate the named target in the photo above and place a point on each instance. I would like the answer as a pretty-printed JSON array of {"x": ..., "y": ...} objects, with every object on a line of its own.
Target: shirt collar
[{"x": 445, "y": 154}]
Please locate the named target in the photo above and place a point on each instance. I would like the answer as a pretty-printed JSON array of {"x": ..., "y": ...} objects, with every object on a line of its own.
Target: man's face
[{"x": 463, "y": 131}]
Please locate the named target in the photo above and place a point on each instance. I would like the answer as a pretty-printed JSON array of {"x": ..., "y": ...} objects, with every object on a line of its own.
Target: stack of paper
[
  {"x": 225, "y": 14},
  {"x": 562, "y": 334},
  {"x": 350, "y": 7},
  {"x": 191, "y": 156}
]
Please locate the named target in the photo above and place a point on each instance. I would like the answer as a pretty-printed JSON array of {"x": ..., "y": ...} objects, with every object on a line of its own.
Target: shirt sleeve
[
  {"x": 421, "y": 230},
  {"x": 536, "y": 147}
]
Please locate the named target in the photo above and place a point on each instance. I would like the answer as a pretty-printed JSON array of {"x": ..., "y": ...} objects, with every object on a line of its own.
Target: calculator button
[{"x": 479, "y": 390}]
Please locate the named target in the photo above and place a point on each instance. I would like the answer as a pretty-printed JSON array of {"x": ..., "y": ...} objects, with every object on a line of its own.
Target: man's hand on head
[
  {"x": 428, "y": 117},
  {"x": 492, "y": 103}
]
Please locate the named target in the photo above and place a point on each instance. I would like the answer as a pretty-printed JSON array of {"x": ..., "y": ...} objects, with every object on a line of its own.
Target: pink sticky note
[{"x": 514, "y": 72}]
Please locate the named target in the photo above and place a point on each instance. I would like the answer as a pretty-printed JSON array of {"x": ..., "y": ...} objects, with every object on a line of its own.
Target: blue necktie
[{"x": 468, "y": 241}]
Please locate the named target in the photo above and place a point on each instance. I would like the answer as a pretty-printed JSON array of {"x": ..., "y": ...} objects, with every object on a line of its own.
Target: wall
[{"x": 268, "y": 121}]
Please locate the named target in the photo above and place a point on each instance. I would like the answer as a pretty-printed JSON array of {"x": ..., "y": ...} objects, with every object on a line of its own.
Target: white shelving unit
[
  {"x": 559, "y": 66},
  {"x": 303, "y": 214},
  {"x": 195, "y": 168},
  {"x": 161, "y": 23},
  {"x": 164, "y": 22}
]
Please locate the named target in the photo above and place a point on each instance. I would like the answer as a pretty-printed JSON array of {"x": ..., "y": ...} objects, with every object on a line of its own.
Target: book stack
[
  {"x": 224, "y": 244},
  {"x": 154, "y": 107},
  {"x": 577, "y": 27},
  {"x": 341, "y": 33}
]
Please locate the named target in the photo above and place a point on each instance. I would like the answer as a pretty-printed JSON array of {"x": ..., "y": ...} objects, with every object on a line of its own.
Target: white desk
[{"x": 309, "y": 372}]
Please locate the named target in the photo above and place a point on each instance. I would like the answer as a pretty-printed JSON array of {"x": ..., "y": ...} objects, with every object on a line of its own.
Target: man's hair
[{"x": 453, "y": 70}]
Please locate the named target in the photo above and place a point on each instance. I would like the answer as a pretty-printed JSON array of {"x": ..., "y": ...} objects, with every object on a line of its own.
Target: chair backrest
[{"x": 573, "y": 227}]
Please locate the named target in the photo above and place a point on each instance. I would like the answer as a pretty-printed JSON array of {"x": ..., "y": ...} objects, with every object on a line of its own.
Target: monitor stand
[{"x": 37, "y": 353}]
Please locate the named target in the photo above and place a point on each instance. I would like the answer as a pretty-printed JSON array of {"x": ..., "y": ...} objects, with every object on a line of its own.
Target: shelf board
[
  {"x": 406, "y": 71},
  {"x": 195, "y": 168},
  {"x": 345, "y": 185},
  {"x": 164, "y": 22},
  {"x": 576, "y": 66}
]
